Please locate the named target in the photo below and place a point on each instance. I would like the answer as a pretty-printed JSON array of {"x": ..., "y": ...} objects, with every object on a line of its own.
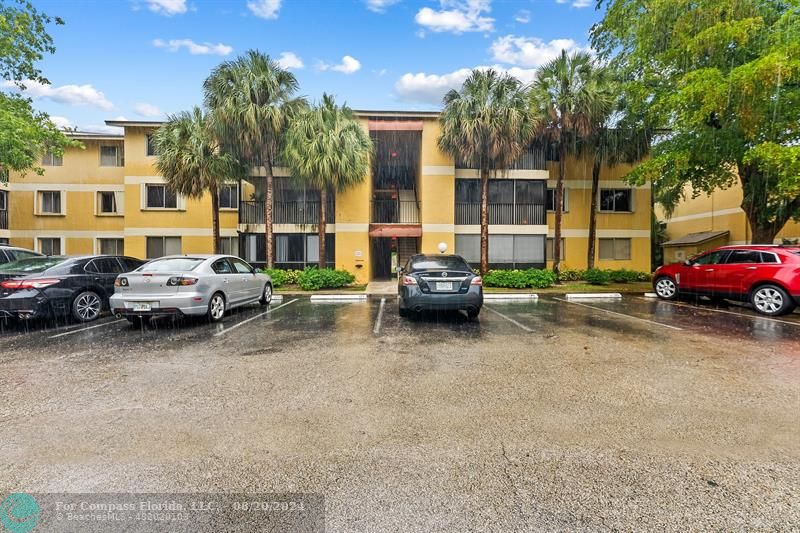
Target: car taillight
[
  {"x": 181, "y": 281},
  {"x": 121, "y": 282},
  {"x": 409, "y": 280},
  {"x": 29, "y": 283},
  {"x": 477, "y": 280}
]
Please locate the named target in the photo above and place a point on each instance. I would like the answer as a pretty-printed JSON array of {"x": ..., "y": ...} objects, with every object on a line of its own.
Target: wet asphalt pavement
[{"x": 549, "y": 415}]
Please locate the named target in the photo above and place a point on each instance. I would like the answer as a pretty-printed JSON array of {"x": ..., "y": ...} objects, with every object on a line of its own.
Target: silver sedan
[{"x": 189, "y": 285}]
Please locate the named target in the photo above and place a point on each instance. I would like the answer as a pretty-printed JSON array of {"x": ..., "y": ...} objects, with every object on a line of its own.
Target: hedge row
[
  {"x": 310, "y": 279},
  {"x": 532, "y": 278}
]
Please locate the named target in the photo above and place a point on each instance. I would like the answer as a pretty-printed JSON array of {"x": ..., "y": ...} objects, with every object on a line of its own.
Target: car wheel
[
  {"x": 771, "y": 300},
  {"x": 472, "y": 314},
  {"x": 87, "y": 306},
  {"x": 216, "y": 307},
  {"x": 139, "y": 321},
  {"x": 403, "y": 312},
  {"x": 665, "y": 288},
  {"x": 266, "y": 296}
]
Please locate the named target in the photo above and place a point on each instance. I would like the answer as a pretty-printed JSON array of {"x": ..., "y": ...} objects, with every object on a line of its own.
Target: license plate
[
  {"x": 142, "y": 306},
  {"x": 444, "y": 286}
]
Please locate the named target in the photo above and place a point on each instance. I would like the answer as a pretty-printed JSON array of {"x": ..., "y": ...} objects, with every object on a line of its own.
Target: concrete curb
[
  {"x": 277, "y": 297},
  {"x": 509, "y": 296},
  {"x": 650, "y": 295},
  {"x": 339, "y": 298},
  {"x": 594, "y": 296}
]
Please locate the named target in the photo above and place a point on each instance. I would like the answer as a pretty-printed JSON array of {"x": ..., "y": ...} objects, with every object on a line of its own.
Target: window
[
  {"x": 505, "y": 251},
  {"x": 160, "y": 197},
  {"x": 713, "y": 258},
  {"x": 229, "y": 245},
  {"x": 468, "y": 191},
  {"x": 49, "y": 245},
  {"x": 615, "y": 249},
  {"x": 550, "y": 201},
  {"x": 161, "y": 246},
  {"x": 222, "y": 266},
  {"x": 229, "y": 196},
  {"x": 105, "y": 265},
  {"x": 769, "y": 257},
  {"x": 109, "y": 202},
  {"x": 240, "y": 267},
  {"x": 151, "y": 145},
  {"x": 616, "y": 200},
  {"x": 111, "y": 156},
  {"x": 49, "y": 159},
  {"x": 111, "y": 246},
  {"x": 50, "y": 202},
  {"x": 297, "y": 250},
  {"x": 3, "y": 201},
  {"x": 549, "y": 250}
]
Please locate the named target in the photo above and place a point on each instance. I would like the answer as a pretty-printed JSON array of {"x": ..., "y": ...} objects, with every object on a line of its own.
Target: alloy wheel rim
[
  {"x": 665, "y": 288},
  {"x": 768, "y": 300},
  {"x": 88, "y": 306},
  {"x": 267, "y": 293},
  {"x": 217, "y": 307}
]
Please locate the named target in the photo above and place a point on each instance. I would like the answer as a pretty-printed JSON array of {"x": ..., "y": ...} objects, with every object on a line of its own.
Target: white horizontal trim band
[
  {"x": 503, "y": 229},
  {"x": 67, "y": 187},
  {"x": 285, "y": 228},
  {"x": 603, "y": 233},
  {"x": 138, "y": 180},
  {"x": 438, "y": 170},
  {"x": 707, "y": 214},
  {"x": 70, "y": 234},
  {"x": 468, "y": 173},
  {"x": 438, "y": 228},
  {"x": 604, "y": 184}
]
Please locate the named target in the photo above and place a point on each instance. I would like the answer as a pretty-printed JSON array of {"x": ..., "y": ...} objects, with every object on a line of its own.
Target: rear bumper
[
  {"x": 413, "y": 298},
  {"x": 189, "y": 304},
  {"x": 25, "y": 305}
]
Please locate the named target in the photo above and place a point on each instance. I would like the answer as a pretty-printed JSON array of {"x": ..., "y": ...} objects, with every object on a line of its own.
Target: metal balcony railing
[
  {"x": 4, "y": 219},
  {"x": 519, "y": 214},
  {"x": 285, "y": 213},
  {"x": 531, "y": 160},
  {"x": 392, "y": 211}
]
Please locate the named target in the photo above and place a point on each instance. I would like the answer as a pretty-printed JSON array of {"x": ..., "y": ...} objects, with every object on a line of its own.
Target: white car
[{"x": 189, "y": 285}]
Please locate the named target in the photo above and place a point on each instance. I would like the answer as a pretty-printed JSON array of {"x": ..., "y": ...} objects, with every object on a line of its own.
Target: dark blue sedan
[{"x": 439, "y": 282}]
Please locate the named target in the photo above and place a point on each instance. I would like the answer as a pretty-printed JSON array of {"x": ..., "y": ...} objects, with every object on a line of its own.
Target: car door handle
[
  {"x": 751, "y": 268},
  {"x": 709, "y": 270}
]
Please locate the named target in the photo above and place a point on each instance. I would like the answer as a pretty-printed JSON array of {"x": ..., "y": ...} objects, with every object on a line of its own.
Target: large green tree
[
  {"x": 327, "y": 148},
  {"x": 191, "y": 162},
  {"x": 252, "y": 101},
  {"x": 24, "y": 132},
  {"x": 488, "y": 125},
  {"x": 570, "y": 99},
  {"x": 723, "y": 78}
]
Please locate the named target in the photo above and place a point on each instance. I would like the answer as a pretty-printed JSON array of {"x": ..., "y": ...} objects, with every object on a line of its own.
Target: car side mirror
[{"x": 688, "y": 263}]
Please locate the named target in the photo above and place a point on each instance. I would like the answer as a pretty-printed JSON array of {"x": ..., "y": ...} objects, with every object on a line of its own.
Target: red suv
[{"x": 766, "y": 276}]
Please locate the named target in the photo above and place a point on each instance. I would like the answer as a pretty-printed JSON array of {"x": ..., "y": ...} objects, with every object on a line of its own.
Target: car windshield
[
  {"x": 439, "y": 263},
  {"x": 32, "y": 265},
  {"x": 173, "y": 264}
]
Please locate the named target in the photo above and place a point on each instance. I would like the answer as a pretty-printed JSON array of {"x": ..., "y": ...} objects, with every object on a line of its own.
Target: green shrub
[
  {"x": 572, "y": 275},
  {"x": 596, "y": 276},
  {"x": 622, "y": 275},
  {"x": 314, "y": 279},
  {"x": 532, "y": 278},
  {"x": 282, "y": 277}
]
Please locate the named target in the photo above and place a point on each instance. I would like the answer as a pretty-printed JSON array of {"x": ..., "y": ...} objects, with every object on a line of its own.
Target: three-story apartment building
[{"x": 108, "y": 197}]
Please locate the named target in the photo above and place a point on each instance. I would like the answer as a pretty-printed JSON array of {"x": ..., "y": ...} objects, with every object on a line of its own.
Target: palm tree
[
  {"x": 327, "y": 148},
  {"x": 568, "y": 95},
  {"x": 488, "y": 125},
  {"x": 191, "y": 162},
  {"x": 252, "y": 101}
]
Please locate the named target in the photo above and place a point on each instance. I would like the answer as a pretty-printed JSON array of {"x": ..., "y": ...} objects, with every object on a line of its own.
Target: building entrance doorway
[{"x": 389, "y": 253}]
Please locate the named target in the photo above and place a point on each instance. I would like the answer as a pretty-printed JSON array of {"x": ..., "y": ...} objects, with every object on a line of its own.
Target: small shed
[{"x": 682, "y": 248}]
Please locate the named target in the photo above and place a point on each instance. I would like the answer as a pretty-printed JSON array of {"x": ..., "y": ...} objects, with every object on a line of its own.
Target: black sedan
[
  {"x": 49, "y": 287},
  {"x": 439, "y": 282}
]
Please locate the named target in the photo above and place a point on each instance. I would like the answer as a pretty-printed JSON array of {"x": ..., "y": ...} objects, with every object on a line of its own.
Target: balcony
[
  {"x": 394, "y": 211},
  {"x": 530, "y": 160},
  {"x": 4, "y": 219},
  {"x": 302, "y": 213},
  {"x": 509, "y": 214}
]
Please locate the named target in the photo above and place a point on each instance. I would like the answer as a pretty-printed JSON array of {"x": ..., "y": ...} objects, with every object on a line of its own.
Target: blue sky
[{"x": 139, "y": 59}]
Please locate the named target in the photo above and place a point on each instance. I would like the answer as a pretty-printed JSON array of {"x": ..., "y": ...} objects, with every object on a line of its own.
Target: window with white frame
[
  {"x": 50, "y": 203},
  {"x": 229, "y": 196},
  {"x": 505, "y": 251},
  {"x": 229, "y": 245},
  {"x": 549, "y": 249},
  {"x": 49, "y": 245},
  {"x": 550, "y": 201},
  {"x": 114, "y": 246},
  {"x": 615, "y": 249},
  {"x": 160, "y": 197},
  {"x": 150, "y": 143},
  {"x": 49, "y": 159},
  {"x": 111, "y": 156},
  {"x": 110, "y": 202},
  {"x": 161, "y": 246},
  {"x": 616, "y": 200}
]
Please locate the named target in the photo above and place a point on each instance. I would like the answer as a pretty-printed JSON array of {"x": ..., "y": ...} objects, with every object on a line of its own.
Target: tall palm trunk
[
  {"x": 268, "y": 248},
  {"x": 323, "y": 213},
  {"x": 215, "y": 218},
  {"x": 484, "y": 221},
  {"x": 593, "y": 213},
  {"x": 559, "y": 207}
]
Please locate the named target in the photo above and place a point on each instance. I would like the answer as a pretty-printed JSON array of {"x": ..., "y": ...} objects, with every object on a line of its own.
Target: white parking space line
[
  {"x": 377, "y": 328},
  {"x": 523, "y": 326},
  {"x": 621, "y": 314},
  {"x": 754, "y": 317},
  {"x": 81, "y": 330},
  {"x": 243, "y": 322}
]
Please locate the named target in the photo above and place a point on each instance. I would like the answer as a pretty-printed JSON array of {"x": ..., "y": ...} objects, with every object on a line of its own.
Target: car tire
[
  {"x": 87, "y": 306},
  {"x": 666, "y": 288},
  {"x": 403, "y": 312},
  {"x": 472, "y": 314},
  {"x": 139, "y": 321},
  {"x": 216, "y": 307},
  {"x": 266, "y": 295},
  {"x": 771, "y": 300}
]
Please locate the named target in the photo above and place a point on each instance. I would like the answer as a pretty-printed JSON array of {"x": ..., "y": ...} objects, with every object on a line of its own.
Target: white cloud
[
  {"x": 431, "y": 88},
  {"x": 531, "y": 51},
  {"x": 167, "y": 7},
  {"x": 576, "y": 3},
  {"x": 64, "y": 94},
  {"x": 60, "y": 122},
  {"x": 265, "y": 9},
  {"x": 457, "y": 16},
  {"x": 173, "y": 45},
  {"x": 379, "y": 6},
  {"x": 147, "y": 110},
  {"x": 348, "y": 65},
  {"x": 290, "y": 60},
  {"x": 94, "y": 128},
  {"x": 523, "y": 16}
]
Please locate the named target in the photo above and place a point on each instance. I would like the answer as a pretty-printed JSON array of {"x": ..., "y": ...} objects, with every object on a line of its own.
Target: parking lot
[{"x": 550, "y": 414}]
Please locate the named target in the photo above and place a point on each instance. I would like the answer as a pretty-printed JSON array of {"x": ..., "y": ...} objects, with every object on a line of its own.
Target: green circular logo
[{"x": 19, "y": 513}]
